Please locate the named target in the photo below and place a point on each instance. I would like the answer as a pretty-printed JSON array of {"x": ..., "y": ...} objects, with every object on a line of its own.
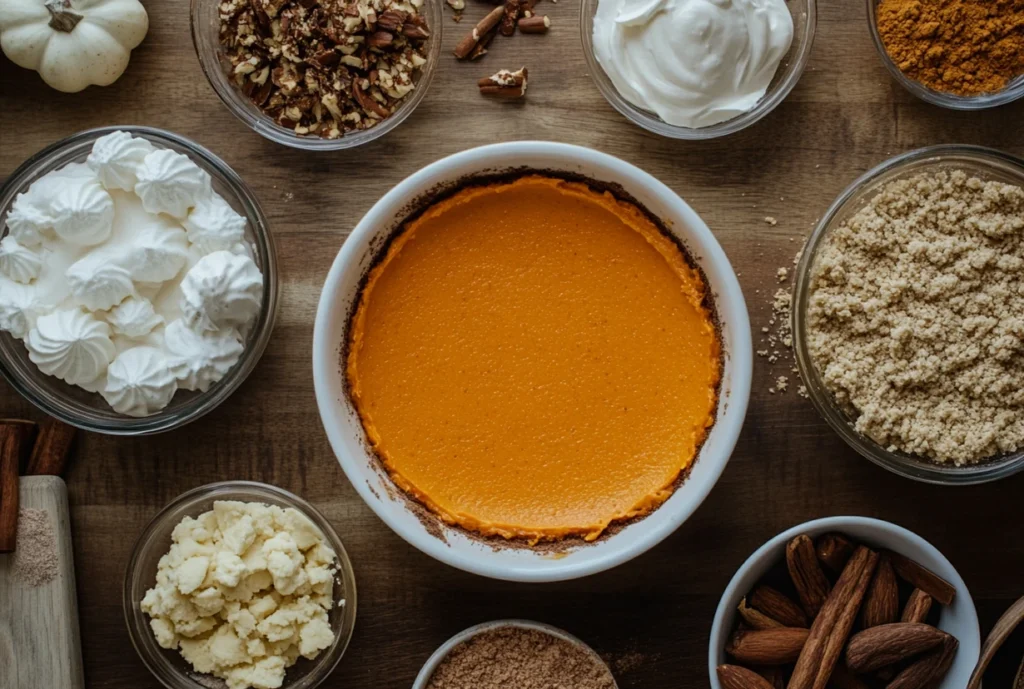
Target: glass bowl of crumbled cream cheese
[
  {"x": 906, "y": 313},
  {"x": 696, "y": 69},
  {"x": 138, "y": 280},
  {"x": 240, "y": 585}
]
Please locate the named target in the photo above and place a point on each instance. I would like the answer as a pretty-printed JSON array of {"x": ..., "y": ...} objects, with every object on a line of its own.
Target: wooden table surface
[{"x": 651, "y": 617}]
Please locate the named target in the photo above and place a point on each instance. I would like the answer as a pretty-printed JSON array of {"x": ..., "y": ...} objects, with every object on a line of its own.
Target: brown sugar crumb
[
  {"x": 36, "y": 561},
  {"x": 519, "y": 658},
  {"x": 916, "y": 317}
]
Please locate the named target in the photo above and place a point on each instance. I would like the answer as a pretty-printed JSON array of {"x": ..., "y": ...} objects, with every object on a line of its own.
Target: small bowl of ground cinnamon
[
  {"x": 514, "y": 653},
  {"x": 958, "y": 54}
]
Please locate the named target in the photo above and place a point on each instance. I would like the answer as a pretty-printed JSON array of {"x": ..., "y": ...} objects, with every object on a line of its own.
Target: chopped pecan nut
[{"x": 505, "y": 84}]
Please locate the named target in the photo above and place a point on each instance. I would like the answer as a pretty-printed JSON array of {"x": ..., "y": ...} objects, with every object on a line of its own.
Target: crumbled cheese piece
[{"x": 244, "y": 592}]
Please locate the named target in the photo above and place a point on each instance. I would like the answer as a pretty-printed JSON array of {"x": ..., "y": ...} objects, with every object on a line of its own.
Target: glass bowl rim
[
  {"x": 270, "y": 130},
  {"x": 205, "y": 402},
  {"x": 1013, "y": 91},
  {"x": 328, "y": 661},
  {"x": 652, "y": 123},
  {"x": 822, "y": 400}
]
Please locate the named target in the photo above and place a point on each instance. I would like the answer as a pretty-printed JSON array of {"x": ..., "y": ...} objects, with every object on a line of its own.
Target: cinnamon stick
[
  {"x": 918, "y": 606},
  {"x": 466, "y": 45},
  {"x": 13, "y": 437},
  {"x": 920, "y": 577},
  {"x": 29, "y": 430},
  {"x": 52, "y": 449},
  {"x": 832, "y": 627}
]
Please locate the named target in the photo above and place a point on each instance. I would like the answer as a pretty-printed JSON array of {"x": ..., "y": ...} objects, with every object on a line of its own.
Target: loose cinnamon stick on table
[
  {"x": 29, "y": 430},
  {"x": 832, "y": 627},
  {"x": 52, "y": 449},
  {"x": 922, "y": 578},
  {"x": 13, "y": 437}
]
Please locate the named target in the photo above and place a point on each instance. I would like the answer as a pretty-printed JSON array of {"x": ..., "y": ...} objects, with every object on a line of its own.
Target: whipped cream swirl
[{"x": 694, "y": 63}]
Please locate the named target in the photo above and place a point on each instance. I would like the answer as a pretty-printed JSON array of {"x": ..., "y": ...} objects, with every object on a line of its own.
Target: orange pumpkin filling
[{"x": 533, "y": 359}]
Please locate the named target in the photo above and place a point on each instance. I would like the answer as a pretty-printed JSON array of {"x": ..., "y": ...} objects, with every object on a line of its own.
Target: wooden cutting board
[{"x": 39, "y": 638}]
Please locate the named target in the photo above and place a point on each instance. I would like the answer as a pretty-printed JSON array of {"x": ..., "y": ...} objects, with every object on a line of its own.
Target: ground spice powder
[
  {"x": 519, "y": 658},
  {"x": 36, "y": 561},
  {"x": 963, "y": 47}
]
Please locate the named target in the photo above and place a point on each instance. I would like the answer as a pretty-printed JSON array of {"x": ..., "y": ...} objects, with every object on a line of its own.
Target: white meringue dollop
[
  {"x": 116, "y": 159},
  {"x": 18, "y": 262},
  {"x": 213, "y": 225},
  {"x": 26, "y": 220},
  {"x": 18, "y": 308},
  {"x": 99, "y": 282},
  {"x": 83, "y": 213},
  {"x": 171, "y": 183},
  {"x": 222, "y": 290},
  {"x": 157, "y": 254},
  {"x": 134, "y": 317},
  {"x": 72, "y": 345},
  {"x": 203, "y": 359},
  {"x": 140, "y": 382}
]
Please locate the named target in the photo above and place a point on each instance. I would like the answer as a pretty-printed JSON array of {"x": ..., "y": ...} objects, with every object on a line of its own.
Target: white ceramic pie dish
[{"x": 345, "y": 432}]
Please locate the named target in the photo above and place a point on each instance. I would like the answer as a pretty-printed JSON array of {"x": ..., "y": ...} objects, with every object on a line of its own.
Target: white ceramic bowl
[
  {"x": 346, "y": 433},
  {"x": 959, "y": 619},
  {"x": 423, "y": 678}
]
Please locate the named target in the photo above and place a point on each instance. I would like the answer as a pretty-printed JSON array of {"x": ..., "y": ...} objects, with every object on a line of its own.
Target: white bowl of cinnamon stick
[{"x": 849, "y": 603}]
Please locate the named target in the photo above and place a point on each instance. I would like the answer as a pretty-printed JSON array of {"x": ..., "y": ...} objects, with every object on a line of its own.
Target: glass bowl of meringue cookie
[{"x": 138, "y": 280}]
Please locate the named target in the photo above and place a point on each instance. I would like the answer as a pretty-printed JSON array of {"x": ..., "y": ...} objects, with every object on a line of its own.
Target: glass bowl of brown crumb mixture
[
  {"x": 318, "y": 75},
  {"x": 514, "y": 653},
  {"x": 908, "y": 315}
]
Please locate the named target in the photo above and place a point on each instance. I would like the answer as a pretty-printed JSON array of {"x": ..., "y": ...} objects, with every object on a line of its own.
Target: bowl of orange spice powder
[{"x": 959, "y": 54}]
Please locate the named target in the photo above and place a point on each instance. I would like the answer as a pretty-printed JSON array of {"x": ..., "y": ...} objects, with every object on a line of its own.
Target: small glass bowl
[
  {"x": 173, "y": 671},
  {"x": 985, "y": 163},
  {"x": 205, "y": 22},
  {"x": 805, "y": 20},
  {"x": 88, "y": 410},
  {"x": 1012, "y": 91}
]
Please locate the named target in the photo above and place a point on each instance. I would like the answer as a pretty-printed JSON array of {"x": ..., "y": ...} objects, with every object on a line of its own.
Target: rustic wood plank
[{"x": 650, "y": 617}]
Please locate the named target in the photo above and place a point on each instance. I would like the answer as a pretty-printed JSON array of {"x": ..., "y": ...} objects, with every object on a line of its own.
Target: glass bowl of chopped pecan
[{"x": 318, "y": 74}]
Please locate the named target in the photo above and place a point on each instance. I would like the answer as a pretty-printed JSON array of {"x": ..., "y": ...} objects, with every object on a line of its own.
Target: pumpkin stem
[{"x": 61, "y": 16}]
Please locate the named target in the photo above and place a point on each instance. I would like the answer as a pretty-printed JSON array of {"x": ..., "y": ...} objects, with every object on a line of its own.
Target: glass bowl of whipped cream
[
  {"x": 138, "y": 280},
  {"x": 696, "y": 69}
]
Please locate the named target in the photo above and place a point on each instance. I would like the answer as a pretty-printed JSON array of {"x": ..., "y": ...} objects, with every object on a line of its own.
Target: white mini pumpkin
[{"x": 72, "y": 43}]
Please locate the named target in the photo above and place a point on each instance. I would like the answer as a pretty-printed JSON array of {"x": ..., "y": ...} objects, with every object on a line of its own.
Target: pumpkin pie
[{"x": 534, "y": 359}]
